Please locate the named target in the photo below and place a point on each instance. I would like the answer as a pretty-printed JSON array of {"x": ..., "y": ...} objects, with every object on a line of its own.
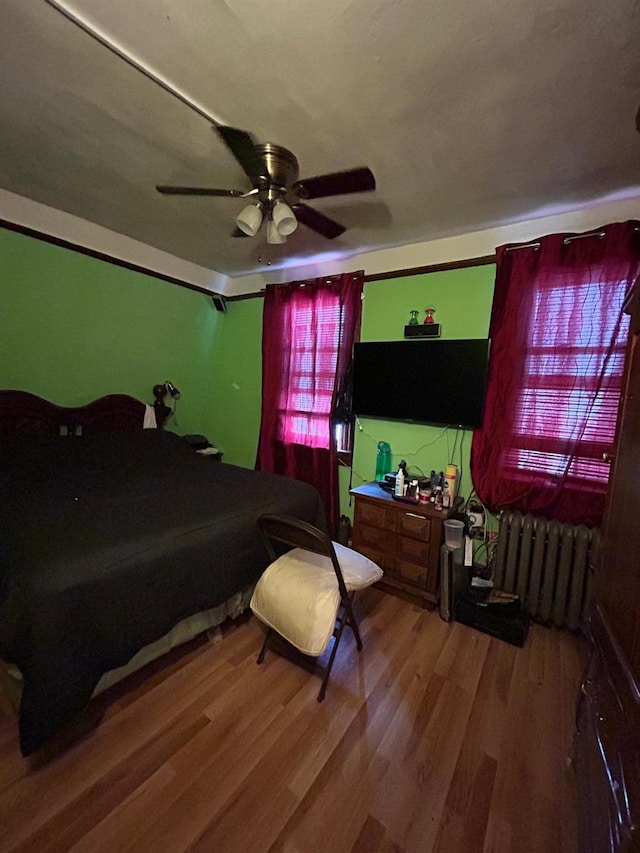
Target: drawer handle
[
  {"x": 586, "y": 688},
  {"x": 414, "y": 515}
]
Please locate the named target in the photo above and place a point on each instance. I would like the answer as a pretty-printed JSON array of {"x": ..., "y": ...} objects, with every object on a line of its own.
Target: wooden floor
[{"x": 434, "y": 738}]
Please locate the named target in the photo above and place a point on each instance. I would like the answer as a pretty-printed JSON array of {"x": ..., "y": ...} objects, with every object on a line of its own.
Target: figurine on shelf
[
  {"x": 414, "y": 318},
  {"x": 428, "y": 320}
]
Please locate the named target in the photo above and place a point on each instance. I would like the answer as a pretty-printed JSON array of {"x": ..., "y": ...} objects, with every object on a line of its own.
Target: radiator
[{"x": 549, "y": 565}]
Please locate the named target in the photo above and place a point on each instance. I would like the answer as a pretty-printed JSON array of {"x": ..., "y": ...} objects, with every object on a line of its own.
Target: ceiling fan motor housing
[{"x": 281, "y": 170}]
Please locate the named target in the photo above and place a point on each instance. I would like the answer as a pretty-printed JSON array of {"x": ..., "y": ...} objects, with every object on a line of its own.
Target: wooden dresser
[{"x": 403, "y": 538}]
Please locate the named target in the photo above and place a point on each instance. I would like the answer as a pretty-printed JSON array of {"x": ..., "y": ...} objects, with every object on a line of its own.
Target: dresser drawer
[
  {"x": 411, "y": 572},
  {"x": 414, "y": 550},
  {"x": 376, "y": 515},
  {"x": 414, "y": 525},
  {"x": 373, "y": 537},
  {"x": 374, "y": 554}
]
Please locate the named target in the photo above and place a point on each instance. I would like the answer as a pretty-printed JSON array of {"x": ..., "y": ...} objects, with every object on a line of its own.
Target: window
[
  {"x": 306, "y": 403},
  {"x": 308, "y": 331},
  {"x": 563, "y": 391},
  {"x": 558, "y": 340}
]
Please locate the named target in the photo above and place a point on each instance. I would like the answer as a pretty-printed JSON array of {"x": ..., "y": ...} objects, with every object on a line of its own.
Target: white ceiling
[{"x": 471, "y": 115}]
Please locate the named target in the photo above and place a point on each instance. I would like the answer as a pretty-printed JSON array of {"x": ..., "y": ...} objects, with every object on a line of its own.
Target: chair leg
[
  {"x": 263, "y": 650},
  {"x": 352, "y": 622},
  {"x": 327, "y": 672},
  {"x": 356, "y": 634},
  {"x": 343, "y": 620}
]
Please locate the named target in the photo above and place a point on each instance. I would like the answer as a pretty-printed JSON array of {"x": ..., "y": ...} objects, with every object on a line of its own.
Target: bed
[{"x": 111, "y": 536}]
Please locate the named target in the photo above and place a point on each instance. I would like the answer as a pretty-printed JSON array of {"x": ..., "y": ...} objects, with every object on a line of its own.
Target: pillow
[{"x": 298, "y": 594}]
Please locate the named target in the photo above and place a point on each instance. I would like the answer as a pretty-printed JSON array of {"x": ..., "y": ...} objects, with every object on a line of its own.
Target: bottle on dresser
[
  {"x": 402, "y": 480},
  {"x": 450, "y": 486}
]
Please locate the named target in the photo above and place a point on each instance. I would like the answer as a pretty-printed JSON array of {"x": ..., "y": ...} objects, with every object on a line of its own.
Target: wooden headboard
[{"x": 22, "y": 413}]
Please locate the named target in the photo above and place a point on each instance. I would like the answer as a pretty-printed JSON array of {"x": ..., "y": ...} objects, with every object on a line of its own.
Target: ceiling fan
[{"x": 278, "y": 197}]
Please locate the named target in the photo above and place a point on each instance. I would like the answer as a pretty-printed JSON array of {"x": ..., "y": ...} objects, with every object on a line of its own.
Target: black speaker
[
  {"x": 422, "y": 330},
  {"x": 220, "y": 302}
]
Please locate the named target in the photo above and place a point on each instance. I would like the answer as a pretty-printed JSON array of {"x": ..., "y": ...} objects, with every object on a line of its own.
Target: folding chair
[{"x": 305, "y": 595}]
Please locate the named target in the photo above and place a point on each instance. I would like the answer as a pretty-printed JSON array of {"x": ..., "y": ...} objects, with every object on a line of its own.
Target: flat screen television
[{"x": 429, "y": 381}]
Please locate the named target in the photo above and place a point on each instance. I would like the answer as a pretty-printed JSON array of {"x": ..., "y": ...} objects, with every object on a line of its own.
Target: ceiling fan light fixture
[
  {"x": 249, "y": 219},
  {"x": 284, "y": 218},
  {"x": 273, "y": 172},
  {"x": 274, "y": 236}
]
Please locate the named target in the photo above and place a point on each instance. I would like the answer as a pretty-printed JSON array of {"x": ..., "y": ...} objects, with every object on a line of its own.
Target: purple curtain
[
  {"x": 308, "y": 332},
  {"x": 558, "y": 336}
]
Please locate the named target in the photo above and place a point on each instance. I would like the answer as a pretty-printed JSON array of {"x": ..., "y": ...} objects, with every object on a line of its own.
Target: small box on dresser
[{"x": 403, "y": 538}]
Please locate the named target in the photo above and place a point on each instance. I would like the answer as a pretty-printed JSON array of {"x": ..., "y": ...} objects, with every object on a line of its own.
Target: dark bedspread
[{"x": 106, "y": 542}]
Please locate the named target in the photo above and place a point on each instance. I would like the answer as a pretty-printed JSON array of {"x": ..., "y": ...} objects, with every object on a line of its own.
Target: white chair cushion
[
  {"x": 358, "y": 571},
  {"x": 298, "y": 594}
]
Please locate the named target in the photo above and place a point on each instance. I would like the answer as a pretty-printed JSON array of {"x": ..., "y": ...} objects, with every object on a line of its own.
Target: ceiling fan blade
[
  {"x": 358, "y": 180},
  {"x": 237, "y": 232},
  {"x": 329, "y": 228},
  {"x": 242, "y": 146},
  {"x": 165, "y": 190}
]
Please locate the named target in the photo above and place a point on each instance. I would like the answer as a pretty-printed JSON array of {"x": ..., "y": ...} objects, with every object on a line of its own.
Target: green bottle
[{"x": 383, "y": 460}]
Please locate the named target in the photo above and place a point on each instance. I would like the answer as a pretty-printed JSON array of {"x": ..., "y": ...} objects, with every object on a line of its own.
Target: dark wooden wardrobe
[{"x": 607, "y": 739}]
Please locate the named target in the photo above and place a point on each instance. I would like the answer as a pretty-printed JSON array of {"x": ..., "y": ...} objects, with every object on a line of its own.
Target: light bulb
[
  {"x": 284, "y": 218},
  {"x": 273, "y": 235},
  {"x": 249, "y": 219}
]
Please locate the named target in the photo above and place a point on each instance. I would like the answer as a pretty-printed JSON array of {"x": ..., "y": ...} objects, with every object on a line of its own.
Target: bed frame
[
  {"x": 26, "y": 414},
  {"x": 23, "y": 413}
]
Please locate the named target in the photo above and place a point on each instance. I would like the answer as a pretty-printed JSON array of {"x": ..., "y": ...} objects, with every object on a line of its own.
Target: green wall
[
  {"x": 236, "y": 366},
  {"x": 73, "y": 328},
  {"x": 462, "y": 299}
]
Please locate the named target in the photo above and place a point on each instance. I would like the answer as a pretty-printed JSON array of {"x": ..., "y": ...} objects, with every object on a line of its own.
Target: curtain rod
[{"x": 566, "y": 240}]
